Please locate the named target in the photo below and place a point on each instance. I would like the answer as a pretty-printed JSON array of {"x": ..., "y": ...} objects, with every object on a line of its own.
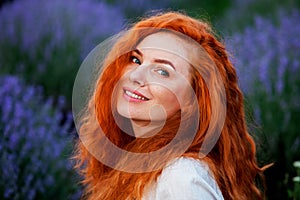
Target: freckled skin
[{"x": 163, "y": 93}]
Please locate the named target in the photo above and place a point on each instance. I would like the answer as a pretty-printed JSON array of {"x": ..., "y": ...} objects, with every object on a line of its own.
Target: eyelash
[
  {"x": 163, "y": 71},
  {"x": 160, "y": 70},
  {"x": 134, "y": 59}
]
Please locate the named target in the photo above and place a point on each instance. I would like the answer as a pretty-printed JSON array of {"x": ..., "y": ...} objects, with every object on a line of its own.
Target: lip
[{"x": 132, "y": 99}]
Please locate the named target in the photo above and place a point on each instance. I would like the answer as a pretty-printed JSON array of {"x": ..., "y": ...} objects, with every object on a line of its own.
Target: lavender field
[{"x": 42, "y": 44}]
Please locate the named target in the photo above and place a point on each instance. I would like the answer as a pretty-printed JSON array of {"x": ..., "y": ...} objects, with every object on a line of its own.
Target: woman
[{"x": 168, "y": 97}]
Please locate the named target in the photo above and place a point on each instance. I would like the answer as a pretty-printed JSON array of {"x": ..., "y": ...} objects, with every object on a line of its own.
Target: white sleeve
[{"x": 185, "y": 179}]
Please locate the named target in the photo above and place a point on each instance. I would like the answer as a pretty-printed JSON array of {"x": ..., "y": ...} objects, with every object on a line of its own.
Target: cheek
[
  {"x": 123, "y": 79},
  {"x": 167, "y": 99},
  {"x": 175, "y": 98},
  {"x": 118, "y": 92}
]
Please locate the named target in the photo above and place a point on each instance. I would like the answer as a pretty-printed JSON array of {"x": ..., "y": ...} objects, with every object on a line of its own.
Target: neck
[{"x": 145, "y": 129}]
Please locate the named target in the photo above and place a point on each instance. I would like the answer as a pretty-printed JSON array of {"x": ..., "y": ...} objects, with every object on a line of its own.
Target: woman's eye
[
  {"x": 135, "y": 60},
  {"x": 163, "y": 72}
]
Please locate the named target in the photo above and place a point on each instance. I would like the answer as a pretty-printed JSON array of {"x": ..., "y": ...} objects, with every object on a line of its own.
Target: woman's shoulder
[
  {"x": 186, "y": 178},
  {"x": 189, "y": 170},
  {"x": 188, "y": 165}
]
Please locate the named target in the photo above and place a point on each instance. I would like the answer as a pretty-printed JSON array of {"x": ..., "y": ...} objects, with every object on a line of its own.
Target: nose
[{"x": 138, "y": 75}]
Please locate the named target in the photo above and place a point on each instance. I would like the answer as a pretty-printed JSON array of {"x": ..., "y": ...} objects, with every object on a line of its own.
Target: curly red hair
[{"x": 232, "y": 160}]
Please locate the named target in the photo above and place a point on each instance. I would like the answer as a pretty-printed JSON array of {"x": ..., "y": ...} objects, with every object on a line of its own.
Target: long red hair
[{"x": 232, "y": 160}]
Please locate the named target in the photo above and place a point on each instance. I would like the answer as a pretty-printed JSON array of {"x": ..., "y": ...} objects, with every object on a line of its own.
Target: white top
[{"x": 184, "y": 179}]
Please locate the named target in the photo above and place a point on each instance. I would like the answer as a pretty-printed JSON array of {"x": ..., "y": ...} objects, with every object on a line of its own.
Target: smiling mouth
[{"x": 135, "y": 96}]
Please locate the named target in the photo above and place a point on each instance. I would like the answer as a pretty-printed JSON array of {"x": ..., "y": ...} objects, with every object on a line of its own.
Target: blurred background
[{"x": 42, "y": 45}]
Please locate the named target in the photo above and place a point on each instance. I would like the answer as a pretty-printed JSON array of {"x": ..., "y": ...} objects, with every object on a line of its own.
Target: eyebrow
[
  {"x": 162, "y": 61},
  {"x": 138, "y": 52},
  {"x": 157, "y": 60}
]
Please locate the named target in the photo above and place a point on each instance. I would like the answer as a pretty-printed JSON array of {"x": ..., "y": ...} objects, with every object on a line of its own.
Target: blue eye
[
  {"x": 135, "y": 60},
  {"x": 163, "y": 72}
]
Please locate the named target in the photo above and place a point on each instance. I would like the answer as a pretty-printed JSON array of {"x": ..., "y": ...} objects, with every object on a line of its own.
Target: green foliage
[
  {"x": 295, "y": 192},
  {"x": 56, "y": 74},
  {"x": 242, "y": 12},
  {"x": 35, "y": 144},
  {"x": 46, "y": 41},
  {"x": 268, "y": 64},
  {"x": 205, "y": 8}
]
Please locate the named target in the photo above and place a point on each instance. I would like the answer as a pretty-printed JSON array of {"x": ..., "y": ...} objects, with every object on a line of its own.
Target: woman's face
[{"x": 156, "y": 83}]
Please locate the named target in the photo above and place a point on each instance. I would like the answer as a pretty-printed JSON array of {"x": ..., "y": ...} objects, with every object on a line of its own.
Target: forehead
[
  {"x": 165, "y": 45},
  {"x": 165, "y": 41}
]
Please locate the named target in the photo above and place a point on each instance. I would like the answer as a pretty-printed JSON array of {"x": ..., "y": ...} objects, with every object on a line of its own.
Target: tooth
[{"x": 134, "y": 95}]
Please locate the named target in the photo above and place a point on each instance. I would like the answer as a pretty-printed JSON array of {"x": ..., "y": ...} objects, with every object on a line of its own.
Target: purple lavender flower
[
  {"x": 46, "y": 41},
  {"x": 268, "y": 65},
  {"x": 34, "y": 144},
  {"x": 30, "y": 23},
  {"x": 267, "y": 53}
]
